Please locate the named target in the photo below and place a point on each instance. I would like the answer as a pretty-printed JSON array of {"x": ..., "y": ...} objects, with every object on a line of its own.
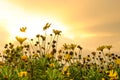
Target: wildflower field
[{"x": 41, "y": 59}]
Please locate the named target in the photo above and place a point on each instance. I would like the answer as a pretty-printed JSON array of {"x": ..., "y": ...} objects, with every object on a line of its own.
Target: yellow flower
[
  {"x": 20, "y": 39},
  {"x": 65, "y": 68},
  {"x": 103, "y": 79},
  {"x": 35, "y": 55},
  {"x": 68, "y": 73},
  {"x": 117, "y": 61},
  {"x": 46, "y": 26},
  {"x": 22, "y": 74},
  {"x": 65, "y": 71},
  {"x": 52, "y": 65},
  {"x": 23, "y": 29},
  {"x": 49, "y": 55},
  {"x": 67, "y": 57},
  {"x": 110, "y": 66},
  {"x": 65, "y": 46},
  {"x": 113, "y": 74},
  {"x": 72, "y": 46},
  {"x": 56, "y": 32},
  {"x": 101, "y": 48},
  {"x": 24, "y": 58},
  {"x": 109, "y": 47}
]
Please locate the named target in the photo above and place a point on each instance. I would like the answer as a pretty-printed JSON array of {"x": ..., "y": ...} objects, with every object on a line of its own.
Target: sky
[{"x": 90, "y": 23}]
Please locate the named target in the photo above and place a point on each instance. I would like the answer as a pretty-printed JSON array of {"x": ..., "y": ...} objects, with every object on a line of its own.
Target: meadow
[{"x": 41, "y": 59}]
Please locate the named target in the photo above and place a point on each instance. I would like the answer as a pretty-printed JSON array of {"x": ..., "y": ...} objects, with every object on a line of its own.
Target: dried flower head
[
  {"x": 79, "y": 47},
  {"x": 38, "y": 35},
  {"x": 93, "y": 53},
  {"x": 59, "y": 57},
  {"x": 43, "y": 37}
]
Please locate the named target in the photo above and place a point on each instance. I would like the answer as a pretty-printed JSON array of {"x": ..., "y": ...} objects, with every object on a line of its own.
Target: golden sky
[{"x": 89, "y": 23}]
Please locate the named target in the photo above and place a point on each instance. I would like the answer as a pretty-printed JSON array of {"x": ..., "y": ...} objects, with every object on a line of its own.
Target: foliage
[{"x": 39, "y": 59}]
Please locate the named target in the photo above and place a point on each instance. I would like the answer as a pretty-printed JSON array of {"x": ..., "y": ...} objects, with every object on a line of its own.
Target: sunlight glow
[
  {"x": 15, "y": 18},
  {"x": 19, "y": 18},
  {"x": 80, "y": 35},
  {"x": 86, "y": 35},
  {"x": 34, "y": 26}
]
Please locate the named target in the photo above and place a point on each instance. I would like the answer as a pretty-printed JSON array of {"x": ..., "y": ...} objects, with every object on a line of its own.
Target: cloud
[
  {"x": 111, "y": 28},
  {"x": 75, "y": 12}
]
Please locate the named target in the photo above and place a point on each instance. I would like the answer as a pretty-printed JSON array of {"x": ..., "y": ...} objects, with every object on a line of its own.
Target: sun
[
  {"x": 34, "y": 26},
  {"x": 15, "y": 17}
]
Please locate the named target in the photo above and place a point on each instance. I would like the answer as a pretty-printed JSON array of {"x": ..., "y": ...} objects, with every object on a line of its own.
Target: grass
[{"x": 40, "y": 59}]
